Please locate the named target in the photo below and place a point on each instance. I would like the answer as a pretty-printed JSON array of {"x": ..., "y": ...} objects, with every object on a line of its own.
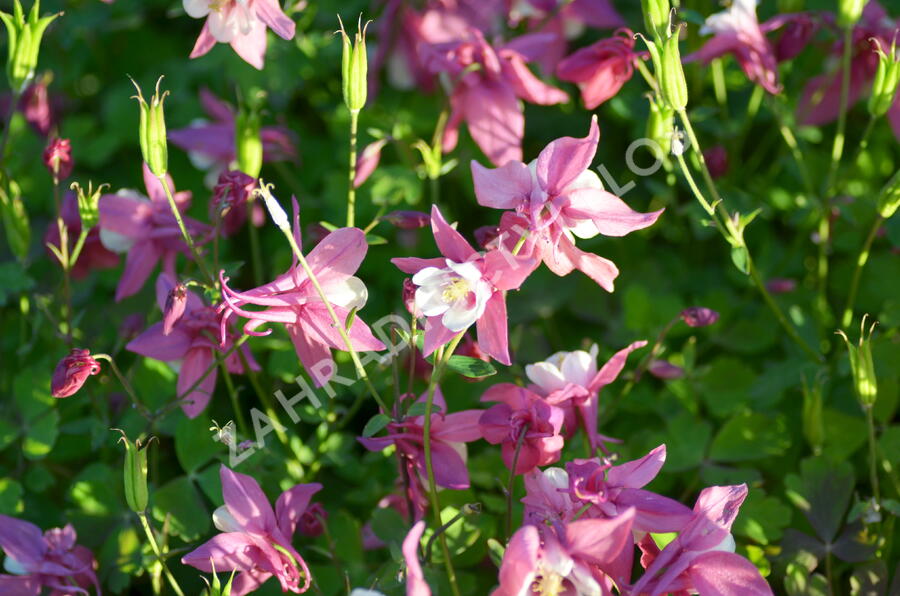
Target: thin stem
[
  {"x": 176, "y": 212},
  {"x": 695, "y": 144},
  {"x": 232, "y": 394},
  {"x": 440, "y": 361},
  {"x": 159, "y": 557},
  {"x": 255, "y": 252},
  {"x": 721, "y": 90},
  {"x": 76, "y": 252},
  {"x": 338, "y": 324},
  {"x": 125, "y": 384},
  {"x": 791, "y": 141},
  {"x": 873, "y": 456},
  {"x": 837, "y": 149},
  {"x": 648, "y": 76},
  {"x": 512, "y": 478},
  {"x": 267, "y": 403},
  {"x": 857, "y": 272},
  {"x": 351, "y": 189}
]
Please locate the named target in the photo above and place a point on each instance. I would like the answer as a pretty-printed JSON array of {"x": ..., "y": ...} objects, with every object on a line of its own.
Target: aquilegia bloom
[
  {"x": 602, "y": 68},
  {"x": 44, "y": 560},
  {"x": 146, "y": 230},
  {"x": 190, "y": 342},
  {"x": 556, "y": 198},
  {"x": 464, "y": 287},
  {"x": 292, "y": 300},
  {"x": 701, "y": 558},
  {"x": 241, "y": 23},
  {"x": 71, "y": 373},
  {"x": 256, "y": 541}
]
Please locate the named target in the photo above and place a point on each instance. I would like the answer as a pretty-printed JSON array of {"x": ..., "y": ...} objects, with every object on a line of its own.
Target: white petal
[
  {"x": 224, "y": 521},
  {"x": 430, "y": 300},
  {"x": 586, "y": 179},
  {"x": 459, "y": 318},
  {"x": 14, "y": 567},
  {"x": 468, "y": 271},
  {"x": 585, "y": 228},
  {"x": 115, "y": 242},
  {"x": 196, "y": 8},
  {"x": 545, "y": 375},
  {"x": 429, "y": 275},
  {"x": 349, "y": 293},
  {"x": 222, "y": 25},
  {"x": 579, "y": 368}
]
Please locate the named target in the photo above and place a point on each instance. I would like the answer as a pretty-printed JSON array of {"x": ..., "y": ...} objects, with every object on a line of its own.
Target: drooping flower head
[
  {"x": 555, "y": 199},
  {"x": 71, "y": 373},
  {"x": 602, "y": 68},
  {"x": 48, "y": 560},
  {"x": 463, "y": 288},
  {"x": 255, "y": 540}
]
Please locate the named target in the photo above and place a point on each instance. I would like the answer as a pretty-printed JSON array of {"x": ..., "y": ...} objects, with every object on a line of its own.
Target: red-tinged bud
[
  {"x": 408, "y": 220},
  {"x": 310, "y": 523},
  {"x": 716, "y": 160},
  {"x": 485, "y": 235},
  {"x": 71, "y": 373},
  {"x": 409, "y": 298},
  {"x": 58, "y": 158},
  {"x": 368, "y": 161},
  {"x": 699, "y": 316},
  {"x": 781, "y": 285},
  {"x": 230, "y": 196},
  {"x": 175, "y": 303},
  {"x": 663, "y": 369},
  {"x": 35, "y": 106}
]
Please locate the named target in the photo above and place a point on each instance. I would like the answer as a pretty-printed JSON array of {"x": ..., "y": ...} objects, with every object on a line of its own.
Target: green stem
[
  {"x": 719, "y": 87},
  {"x": 255, "y": 252},
  {"x": 232, "y": 394},
  {"x": 791, "y": 141},
  {"x": 857, "y": 272},
  {"x": 14, "y": 100},
  {"x": 512, "y": 478},
  {"x": 159, "y": 557},
  {"x": 125, "y": 384},
  {"x": 837, "y": 148},
  {"x": 76, "y": 252},
  {"x": 351, "y": 189},
  {"x": 873, "y": 456},
  {"x": 648, "y": 76},
  {"x": 184, "y": 232},
  {"x": 441, "y": 359}
]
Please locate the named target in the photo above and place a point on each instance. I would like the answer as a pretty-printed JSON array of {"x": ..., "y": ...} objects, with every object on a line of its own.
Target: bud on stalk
[
  {"x": 247, "y": 140},
  {"x": 849, "y": 12},
  {"x": 862, "y": 366},
  {"x": 660, "y": 124},
  {"x": 887, "y": 78},
  {"x": 889, "y": 199},
  {"x": 354, "y": 68},
  {"x": 672, "y": 82},
  {"x": 656, "y": 17},
  {"x": 88, "y": 204},
  {"x": 152, "y": 131}
]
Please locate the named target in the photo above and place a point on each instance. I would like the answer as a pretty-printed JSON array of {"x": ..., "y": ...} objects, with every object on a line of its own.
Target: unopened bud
[
  {"x": 699, "y": 316},
  {"x": 279, "y": 217},
  {"x": 24, "y": 40},
  {"x": 368, "y": 161},
  {"x": 174, "y": 309},
  {"x": 656, "y": 17},
  {"x": 408, "y": 220},
  {"x": 152, "y": 131},
  {"x": 247, "y": 140},
  {"x": 135, "y": 474},
  {"x": 849, "y": 12},
  {"x": 862, "y": 367},
  {"x": 716, "y": 158},
  {"x": 672, "y": 82},
  {"x": 71, "y": 373},
  {"x": 311, "y": 522},
  {"x": 887, "y": 78},
  {"x": 889, "y": 199},
  {"x": 58, "y": 158},
  {"x": 663, "y": 369},
  {"x": 354, "y": 68}
]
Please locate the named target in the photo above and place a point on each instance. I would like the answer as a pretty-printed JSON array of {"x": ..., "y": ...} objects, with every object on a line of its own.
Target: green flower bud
[
  {"x": 865, "y": 384},
  {"x": 887, "y": 77},
  {"x": 671, "y": 74},
  {"x": 354, "y": 68},
  {"x": 247, "y": 140},
  {"x": 889, "y": 199},
  {"x": 660, "y": 124},
  {"x": 849, "y": 12},
  {"x": 88, "y": 204},
  {"x": 135, "y": 474},
  {"x": 656, "y": 17},
  {"x": 152, "y": 131},
  {"x": 24, "y": 42},
  {"x": 813, "y": 420}
]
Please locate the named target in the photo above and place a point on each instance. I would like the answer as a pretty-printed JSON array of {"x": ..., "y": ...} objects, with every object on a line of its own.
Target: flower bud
[
  {"x": 862, "y": 367},
  {"x": 485, "y": 235},
  {"x": 35, "y": 106},
  {"x": 174, "y": 309},
  {"x": 354, "y": 68},
  {"x": 813, "y": 420},
  {"x": 716, "y": 158},
  {"x": 699, "y": 316},
  {"x": 408, "y": 220},
  {"x": 71, "y": 373},
  {"x": 58, "y": 158},
  {"x": 247, "y": 140},
  {"x": 229, "y": 202},
  {"x": 310, "y": 522},
  {"x": 152, "y": 131},
  {"x": 656, "y": 17},
  {"x": 663, "y": 369},
  {"x": 887, "y": 77},
  {"x": 135, "y": 474},
  {"x": 368, "y": 161},
  {"x": 889, "y": 199},
  {"x": 88, "y": 204},
  {"x": 279, "y": 217},
  {"x": 849, "y": 12},
  {"x": 781, "y": 285},
  {"x": 672, "y": 82},
  {"x": 409, "y": 298},
  {"x": 24, "y": 40}
]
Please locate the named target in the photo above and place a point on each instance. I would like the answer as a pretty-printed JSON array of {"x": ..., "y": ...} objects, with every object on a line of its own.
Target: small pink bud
[
  {"x": 58, "y": 158},
  {"x": 71, "y": 373},
  {"x": 368, "y": 161},
  {"x": 699, "y": 316},
  {"x": 35, "y": 106},
  {"x": 716, "y": 160},
  {"x": 781, "y": 285},
  {"x": 408, "y": 220},
  {"x": 310, "y": 522},
  {"x": 663, "y": 369},
  {"x": 486, "y": 234},
  {"x": 230, "y": 199},
  {"x": 175, "y": 303},
  {"x": 409, "y": 297}
]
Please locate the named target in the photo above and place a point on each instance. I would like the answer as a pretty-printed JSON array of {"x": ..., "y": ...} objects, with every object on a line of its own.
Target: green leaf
[
  {"x": 741, "y": 259},
  {"x": 762, "y": 518},
  {"x": 95, "y": 492},
  {"x": 418, "y": 409},
  {"x": 750, "y": 436},
  {"x": 726, "y": 387},
  {"x": 822, "y": 492},
  {"x": 389, "y": 525},
  {"x": 40, "y": 435},
  {"x": 375, "y": 424},
  {"x": 8, "y": 434},
  {"x": 373, "y": 240},
  {"x": 179, "y": 501},
  {"x": 194, "y": 445},
  {"x": 844, "y": 434},
  {"x": 10, "y": 497},
  {"x": 13, "y": 280},
  {"x": 472, "y": 368},
  {"x": 686, "y": 442}
]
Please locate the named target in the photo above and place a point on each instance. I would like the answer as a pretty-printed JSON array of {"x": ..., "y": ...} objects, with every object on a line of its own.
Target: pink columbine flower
[
  {"x": 210, "y": 145},
  {"x": 464, "y": 288},
  {"x": 71, "y": 373},
  {"x": 449, "y": 435},
  {"x": 50, "y": 560},
  {"x": 93, "y": 254},
  {"x": 701, "y": 558},
  {"x": 571, "y": 381},
  {"x": 58, "y": 158},
  {"x": 230, "y": 199},
  {"x": 292, "y": 300},
  {"x": 146, "y": 230},
  {"x": 557, "y": 198},
  {"x": 241, "y": 23},
  {"x": 699, "y": 316},
  {"x": 736, "y": 31},
  {"x": 191, "y": 346},
  {"x": 601, "y": 68},
  {"x": 415, "y": 579},
  {"x": 797, "y": 29},
  {"x": 36, "y": 107},
  {"x": 490, "y": 82},
  {"x": 579, "y": 558},
  {"x": 176, "y": 302},
  {"x": 522, "y": 411},
  {"x": 256, "y": 541}
]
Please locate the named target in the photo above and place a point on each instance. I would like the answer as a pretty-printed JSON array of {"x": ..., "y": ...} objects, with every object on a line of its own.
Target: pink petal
[
  {"x": 719, "y": 573},
  {"x": 246, "y": 501},
  {"x": 436, "y": 335},
  {"x": 654, "y": 513},
  {"x": 449, "y": 467},
  {"x": 508, "y": 272},
  {"x": 638, "y": 473},
  {"x": 450, "y": 242},
  {"x": 600, "y": 541},
  {"x": 311, "y": 350},
  {"x": 492, "y": 329},
  {"x": 494, "y": 118},
  {"x": 227, "y": 551},
  {"x": 565, "y": 159},
  {"x": 529, "y": 87},
  {"x": 251, "y": 47},
  {"x": 460, "y": 427},
  {"x": 205, "y": 42},
  {"x": 413, "y": 265},
  {"x": 291, "y": 505},
  {"x": 520, "y": 562},
  {"x": 271, "y": 14},
  {"x": 152, "y": 343},
  {"x": 196, "y": 362},
  {"x": 568, "y": 256},
  {"x": 139, "y": 264},
  {"x": 415, "y": 579},
  {"x": 21, "y": 540},
  {"x": 338, "y": 255},
  {"x": 610, "y": 371},
  {"x": 506, "y": 187},
  {"x": 611, "y": 215}
]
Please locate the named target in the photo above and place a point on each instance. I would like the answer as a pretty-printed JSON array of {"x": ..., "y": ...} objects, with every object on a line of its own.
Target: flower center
[
  {"x": 456, "y": 289},
  {"x": 548, "y": 583}
]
